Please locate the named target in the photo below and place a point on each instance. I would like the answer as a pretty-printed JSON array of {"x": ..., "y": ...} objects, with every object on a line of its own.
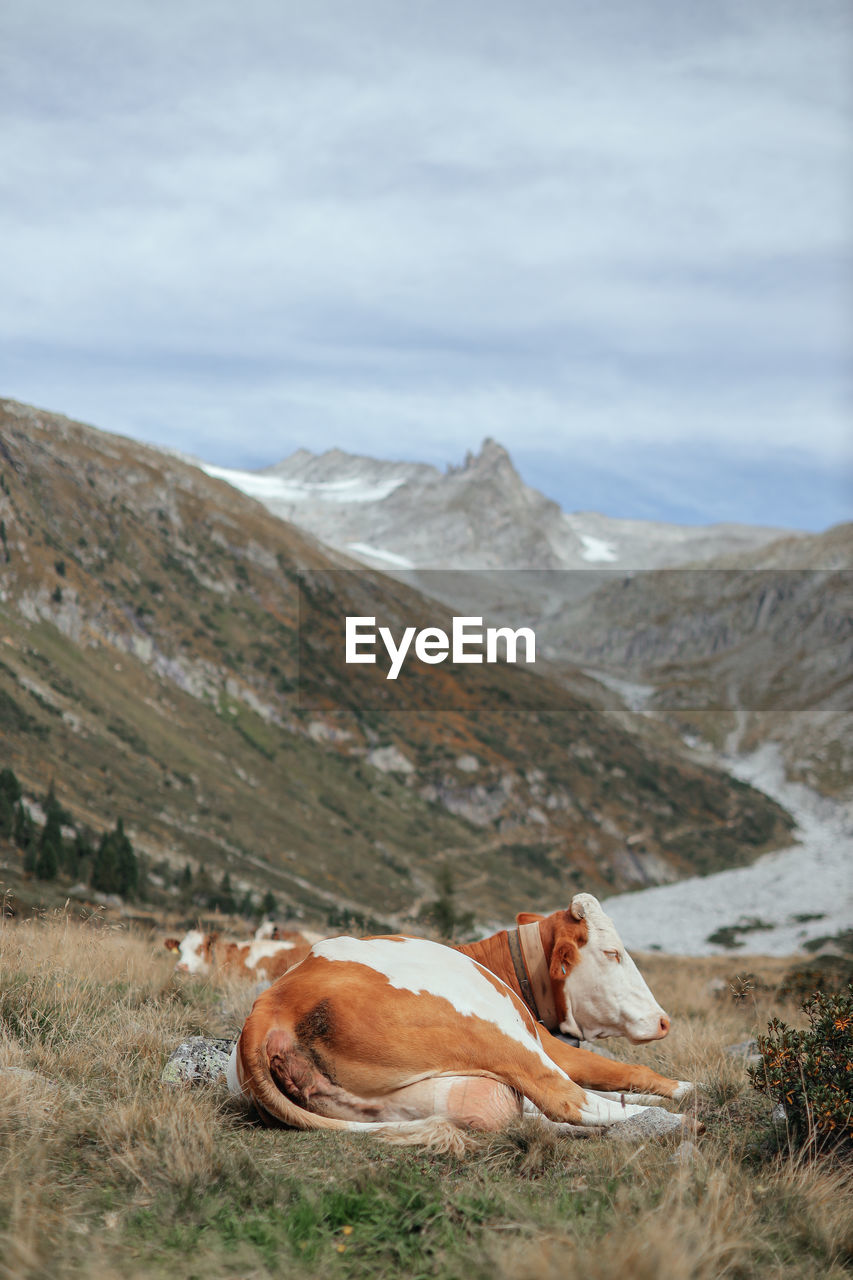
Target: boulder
[
  {"x": 654, "y": 1122},
  {"x": 746, "y": 1049},
  {"x": 198, "y": 1061}
]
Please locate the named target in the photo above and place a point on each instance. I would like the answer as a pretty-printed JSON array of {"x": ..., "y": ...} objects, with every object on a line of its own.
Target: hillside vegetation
[
  {"x": 105, "y": 1171},
  {"x": 149, "y": 667}
]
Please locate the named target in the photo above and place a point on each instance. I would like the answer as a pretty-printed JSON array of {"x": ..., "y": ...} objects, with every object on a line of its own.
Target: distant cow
[
  {"x": 203, "y": 953},
  {"x": 278, "y": 932},
  {"x": 401, "y": 1034}
]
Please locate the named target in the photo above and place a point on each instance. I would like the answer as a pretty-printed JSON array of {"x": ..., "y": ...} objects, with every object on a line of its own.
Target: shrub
[
  {"x": 825, "y": 973},
  {"x": 810, "y": 1072}
]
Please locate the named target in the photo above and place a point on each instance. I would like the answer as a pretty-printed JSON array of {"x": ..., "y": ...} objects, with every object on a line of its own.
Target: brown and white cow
[
  {"x": 202, "y": 953},
  {"x": 393, "y": 1034}
]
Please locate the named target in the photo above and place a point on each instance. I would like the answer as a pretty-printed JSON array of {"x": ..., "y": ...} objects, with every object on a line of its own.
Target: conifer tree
[
  {"x": 78, "y": 854},
  {"x": 269, "y": 906},
  {"x": 24, "y": 835},
  {"x": 127, "y": 863},
  {"x": 115, "y": 868},
  {"x": 10, "y": 794},
  {"x": 223, "y": 898},
  {"x": 50, "y": 844},
  {"x": 104, "y": 872}
]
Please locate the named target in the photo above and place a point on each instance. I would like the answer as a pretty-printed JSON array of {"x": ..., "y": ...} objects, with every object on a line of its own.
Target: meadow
[{"x": 105, "y": 1172}]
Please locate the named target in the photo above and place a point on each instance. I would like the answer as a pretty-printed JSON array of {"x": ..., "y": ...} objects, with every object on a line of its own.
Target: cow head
[
  {"x": 600, "y": 991},
  {"x": 195, "y": 952}
]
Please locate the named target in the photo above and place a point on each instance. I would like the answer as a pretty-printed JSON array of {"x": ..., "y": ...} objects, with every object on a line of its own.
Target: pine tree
[
  {"x": 223, "y": 898},
  {"x": 104, "y": 873},
  {"x": 442, "y": 912},
  {"x": 269, "y": 906},
  {"x": 78, "y": 854},
  {"x": 50, "y": 845},
  {"x": 246, "y": 907},
  {"x": 127, "y": 863},
  {"x": 10, "y": 794},
  {"x": 24, "y": 835}
]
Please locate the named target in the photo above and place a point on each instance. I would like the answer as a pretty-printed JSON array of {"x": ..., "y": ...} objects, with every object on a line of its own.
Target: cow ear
[
  {"x": 564, "y": 957},
  {"x": 528, "y": 917},
  {"x": 171, "y": 944}
]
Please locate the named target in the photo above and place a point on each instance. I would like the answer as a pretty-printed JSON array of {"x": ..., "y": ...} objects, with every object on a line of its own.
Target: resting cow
[
  {"x": 397, "y": 1033},
  {"x": 203, "y": 953}
]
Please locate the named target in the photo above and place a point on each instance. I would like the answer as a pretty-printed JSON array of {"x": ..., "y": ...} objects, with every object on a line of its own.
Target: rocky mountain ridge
[
  {"x": 149, "y": 660},
  {"x": 480, "y": 515}
]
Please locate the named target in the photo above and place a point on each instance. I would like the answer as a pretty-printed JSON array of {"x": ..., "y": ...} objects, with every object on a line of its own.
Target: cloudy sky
[{"x": 616, "y": 237}]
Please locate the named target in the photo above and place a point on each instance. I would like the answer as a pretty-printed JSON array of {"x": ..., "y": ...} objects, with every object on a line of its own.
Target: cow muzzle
[{"x": 654, "y": 1033}]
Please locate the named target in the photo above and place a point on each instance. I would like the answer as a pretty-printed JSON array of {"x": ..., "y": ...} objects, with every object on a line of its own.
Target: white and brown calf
[{"x": 202, "y": 953}]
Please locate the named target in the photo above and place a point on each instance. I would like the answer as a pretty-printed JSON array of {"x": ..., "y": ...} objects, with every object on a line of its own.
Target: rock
[
  {"x": 34, "y": 1096},
  {"x": 467, "y": 764},
  {"x": 716, "y": 986},
  {"x": 685, "y": 1154},
  {"x": 746, "y": 1049},
  {"x": 779, "y": 1116},
  {"x": 389, "y": 760},
  {"x": 198, "y": 1061},
  {"x": 654, "y": 1122}
]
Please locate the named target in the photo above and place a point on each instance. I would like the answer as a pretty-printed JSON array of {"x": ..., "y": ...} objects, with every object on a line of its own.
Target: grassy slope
[
  {"x": 149, "y": 661},
  {"x": 105, "y": 1172}
]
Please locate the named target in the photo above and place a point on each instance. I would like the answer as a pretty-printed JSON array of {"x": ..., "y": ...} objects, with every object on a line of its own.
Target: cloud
[{"x": 258, "y": 227}]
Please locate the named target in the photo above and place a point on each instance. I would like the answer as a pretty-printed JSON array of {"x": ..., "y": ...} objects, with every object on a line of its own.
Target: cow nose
[
  {"x": 181, "y": 967},
  {"x": 664, "y": 1025}
]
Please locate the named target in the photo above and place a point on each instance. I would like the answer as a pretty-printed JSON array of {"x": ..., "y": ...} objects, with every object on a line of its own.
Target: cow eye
[{"x": 613, "y": 955}]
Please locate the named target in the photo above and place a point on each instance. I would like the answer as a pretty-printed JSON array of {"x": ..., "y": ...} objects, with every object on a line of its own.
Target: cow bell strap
[
  {"x": 531, "y": 970},
  {"x": 536, "y": 964},
  {"x": 521, "y": 972}
]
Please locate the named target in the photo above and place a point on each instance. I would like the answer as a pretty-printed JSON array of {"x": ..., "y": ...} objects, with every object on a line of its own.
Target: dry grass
[{"x": 103, "y": 1171}]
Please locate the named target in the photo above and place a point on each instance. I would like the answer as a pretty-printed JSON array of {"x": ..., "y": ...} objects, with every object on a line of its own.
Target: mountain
[
  {"x": 481, "y": 515},
  {"x": 733, "y": 648},
  {"x": 152, "y": 664},
  {"x": 750, "y": 648}
]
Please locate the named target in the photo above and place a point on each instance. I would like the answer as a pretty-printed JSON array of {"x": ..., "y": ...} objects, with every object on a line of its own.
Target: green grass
[{"x": 108, "y": 1173}]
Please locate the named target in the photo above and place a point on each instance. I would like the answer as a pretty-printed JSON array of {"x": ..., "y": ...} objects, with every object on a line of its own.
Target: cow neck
[
  {"x": 518, "y": 958},
  {"x": 493, "y": 954}
]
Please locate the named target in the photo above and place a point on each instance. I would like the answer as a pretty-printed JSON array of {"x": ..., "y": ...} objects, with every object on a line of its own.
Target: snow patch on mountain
[
  {"x": 365, "y": 551},
  {"x": 596, "y": 549},
  {"x": 269, "y": 487}
]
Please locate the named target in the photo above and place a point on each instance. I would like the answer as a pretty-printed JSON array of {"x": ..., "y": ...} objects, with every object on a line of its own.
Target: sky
[{"x": 616, "y": 238}]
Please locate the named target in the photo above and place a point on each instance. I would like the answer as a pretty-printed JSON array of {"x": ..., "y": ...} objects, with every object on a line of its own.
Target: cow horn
[{"x": 577, "y": 910}]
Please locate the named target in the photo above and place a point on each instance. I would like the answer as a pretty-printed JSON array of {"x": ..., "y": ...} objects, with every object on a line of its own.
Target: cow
[
  {"x": 202, "y": 953},
  {"x": 410, "y": 1039},
  {"x": 278, "y": 932}
]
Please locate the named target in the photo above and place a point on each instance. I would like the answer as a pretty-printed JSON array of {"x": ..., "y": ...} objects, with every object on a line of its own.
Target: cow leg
[
  {"x": 474, "y": 1102},
  {"x": 477, "y": 1102},
  {"x": 594, "y": 1071}
]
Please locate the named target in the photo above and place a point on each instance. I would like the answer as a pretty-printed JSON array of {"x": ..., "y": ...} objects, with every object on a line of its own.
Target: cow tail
[{"x": 252, "y": 1079}]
